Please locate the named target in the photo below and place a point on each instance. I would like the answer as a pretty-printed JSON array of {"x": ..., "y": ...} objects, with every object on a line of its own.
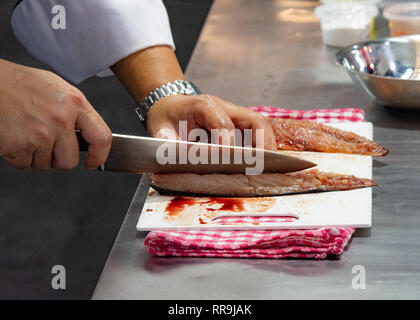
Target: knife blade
[{"x": 137, "y": 154}]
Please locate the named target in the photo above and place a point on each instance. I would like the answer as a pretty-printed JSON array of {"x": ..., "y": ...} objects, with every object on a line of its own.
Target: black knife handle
[{"x": 83, "y": 144}]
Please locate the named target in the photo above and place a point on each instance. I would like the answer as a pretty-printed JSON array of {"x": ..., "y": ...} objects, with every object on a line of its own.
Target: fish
[
  {"x": 266, "y": 184},
  {"x": 305, "y": 135}
]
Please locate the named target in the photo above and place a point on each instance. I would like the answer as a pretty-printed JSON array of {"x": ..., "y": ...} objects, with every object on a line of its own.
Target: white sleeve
[{"x": 98, "y": 33}]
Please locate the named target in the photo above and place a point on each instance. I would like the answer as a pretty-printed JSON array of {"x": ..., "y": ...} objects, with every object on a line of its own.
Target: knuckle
[
  {"x": 62, "y": 119},
  {"x": 257, "y": 116},
  {"x": 105, "y": 138},
  {"x": 25, "y": 147},
  {"x": 8, "y": 151},
  {"x": 18, "y": 163},
  {"x": 204, "y": 100},
  {"x": 18, "y": 154},
  {"x": 76, "y": 97},
  {"x": 42, "y": 134}
]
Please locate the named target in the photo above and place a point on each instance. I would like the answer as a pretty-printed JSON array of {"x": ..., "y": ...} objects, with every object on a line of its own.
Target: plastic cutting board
[{"x": 351, "y": 208}]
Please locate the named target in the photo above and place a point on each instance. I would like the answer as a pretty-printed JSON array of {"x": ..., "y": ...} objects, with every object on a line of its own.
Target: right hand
[{"x": 39, "y": 113}]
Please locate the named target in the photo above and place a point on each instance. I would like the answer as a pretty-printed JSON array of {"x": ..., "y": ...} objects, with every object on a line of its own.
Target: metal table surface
[{"x": 271, "y": 53}]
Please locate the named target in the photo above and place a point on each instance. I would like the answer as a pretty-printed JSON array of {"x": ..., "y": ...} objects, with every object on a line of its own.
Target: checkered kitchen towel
[
  {"x": 318, "y": 115},
  {"x": 306, "y": 244}
]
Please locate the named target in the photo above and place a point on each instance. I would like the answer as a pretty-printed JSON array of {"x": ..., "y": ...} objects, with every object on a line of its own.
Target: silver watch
[{"x": 167, "y": 89}]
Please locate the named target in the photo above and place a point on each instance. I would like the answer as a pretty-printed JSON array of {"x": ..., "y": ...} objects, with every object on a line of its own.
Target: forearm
[{"x": 147, "y": 69}]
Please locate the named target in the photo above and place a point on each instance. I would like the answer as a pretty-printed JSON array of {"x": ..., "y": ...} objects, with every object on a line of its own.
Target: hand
[
  {"x": 39, "y": 113},
  {"x": 207, "y": 112},
  {"x": 149, "y": 68}
]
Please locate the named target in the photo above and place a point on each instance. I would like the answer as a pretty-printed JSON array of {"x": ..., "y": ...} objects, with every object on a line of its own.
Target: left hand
[
  {"x": 147, "y": 69},
  {"x": 207, "y": 112}
]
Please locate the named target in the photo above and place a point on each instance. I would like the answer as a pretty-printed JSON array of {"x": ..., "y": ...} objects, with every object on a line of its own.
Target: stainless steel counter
[{"x": 271, "y": 53}]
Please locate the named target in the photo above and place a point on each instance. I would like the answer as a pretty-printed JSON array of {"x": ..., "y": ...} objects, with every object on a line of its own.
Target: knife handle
[{"x": 83, "y": 144}]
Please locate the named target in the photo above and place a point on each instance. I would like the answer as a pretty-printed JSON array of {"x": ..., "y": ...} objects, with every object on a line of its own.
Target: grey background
[{"x": 72, "y": 218}]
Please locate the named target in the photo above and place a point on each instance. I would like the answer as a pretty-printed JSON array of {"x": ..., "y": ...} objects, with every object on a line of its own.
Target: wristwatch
[{"x": 167, "y": 89}]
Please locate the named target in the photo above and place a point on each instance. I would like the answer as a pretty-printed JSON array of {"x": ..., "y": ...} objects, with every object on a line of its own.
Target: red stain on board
[
  {"x": 177, "y": 204},
  {"x": 214, "y": 205},
  {"x": 227, "y": 204}
]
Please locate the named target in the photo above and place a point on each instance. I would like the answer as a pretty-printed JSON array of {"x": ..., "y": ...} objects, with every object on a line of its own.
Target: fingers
[
  {"x": 97, "y": 134},
  {"x": 259, "y": 123},
  {"x": 42, "y": 157},
  {"x": 211, "y": 115},
  {"x": 66, "y": 152},
  {"x": 163, "y": 130},
  {"x": 247, "y": 119},
  {"x": 17, "y": 151},
  {"x": 61, "y": 153},
  {"x": 21, "y": 161}
]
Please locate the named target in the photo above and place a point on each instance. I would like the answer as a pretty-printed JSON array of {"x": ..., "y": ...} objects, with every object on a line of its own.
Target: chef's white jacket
[{"x": 98, "y": 33}]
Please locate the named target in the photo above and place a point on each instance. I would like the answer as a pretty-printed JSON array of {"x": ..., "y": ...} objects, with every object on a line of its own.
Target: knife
[{"x": 137, "y": 154}]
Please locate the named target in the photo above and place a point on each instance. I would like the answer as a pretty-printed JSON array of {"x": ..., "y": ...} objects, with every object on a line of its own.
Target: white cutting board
[{"x": 351, "y": 208}]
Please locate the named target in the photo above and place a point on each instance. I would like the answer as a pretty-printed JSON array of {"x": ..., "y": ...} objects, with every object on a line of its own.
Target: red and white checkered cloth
[
  {"x": 308, "y": 244},
  {"x": 318, "y": 115},
  {"x": 275, "y": 244}
]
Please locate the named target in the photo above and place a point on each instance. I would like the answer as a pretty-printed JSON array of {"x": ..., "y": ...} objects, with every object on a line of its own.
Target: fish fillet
[
  {"x": 304, "y": 135},
  {"x": 266, "y": 184}
]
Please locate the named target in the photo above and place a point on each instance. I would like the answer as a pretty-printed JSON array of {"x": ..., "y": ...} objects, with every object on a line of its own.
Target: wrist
[
  {"x": 147, "y": 69},
  {"x": 177, "y": 87}
]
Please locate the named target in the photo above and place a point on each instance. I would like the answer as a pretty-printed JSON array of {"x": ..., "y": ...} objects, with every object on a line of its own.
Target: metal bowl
[{"x": 388, "y": 70}]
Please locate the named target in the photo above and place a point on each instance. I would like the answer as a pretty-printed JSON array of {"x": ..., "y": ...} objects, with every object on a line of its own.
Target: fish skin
[
  {"x": 305, "y": 135},
  {"x": 266, "y": 184}
]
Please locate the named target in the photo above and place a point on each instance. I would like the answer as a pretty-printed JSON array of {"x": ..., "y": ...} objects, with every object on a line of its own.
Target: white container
[
  {"x": 404, "y": 18},
  {"x": 343, "y": 24}
]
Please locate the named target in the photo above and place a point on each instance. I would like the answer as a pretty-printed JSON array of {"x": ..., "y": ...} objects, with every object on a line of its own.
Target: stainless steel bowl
[{"x": 388, "y": 70}]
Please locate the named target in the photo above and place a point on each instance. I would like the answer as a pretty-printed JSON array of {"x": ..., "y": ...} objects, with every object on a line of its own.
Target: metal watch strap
[{"x": 167, "y": 89}]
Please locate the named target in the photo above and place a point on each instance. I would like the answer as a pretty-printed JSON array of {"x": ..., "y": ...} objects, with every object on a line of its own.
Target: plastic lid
[
  {"x": 403, "y": 11},
  {"x": 346, "y": 10}
]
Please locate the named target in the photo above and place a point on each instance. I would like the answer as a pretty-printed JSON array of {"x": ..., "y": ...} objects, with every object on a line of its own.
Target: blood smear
[
  {"x": 206, "y": 209},
  {"x": 227, "y": 204},
  {"x": 177, "y": 204}
]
